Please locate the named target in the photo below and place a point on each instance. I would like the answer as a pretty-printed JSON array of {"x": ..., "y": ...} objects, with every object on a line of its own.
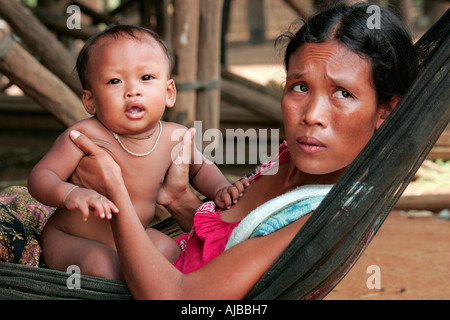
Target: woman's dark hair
[
  {"x": 116, "y": 32},
  {"x": 388, "y": 46}
]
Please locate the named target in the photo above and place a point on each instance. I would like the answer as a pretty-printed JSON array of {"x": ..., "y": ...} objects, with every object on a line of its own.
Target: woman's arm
[
  {"x": 150, "y": 276},
  {"x": 230, "y": 276}
]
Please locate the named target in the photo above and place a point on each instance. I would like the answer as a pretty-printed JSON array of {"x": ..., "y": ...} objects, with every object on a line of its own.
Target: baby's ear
[
  {"x": 171, "y": 94},
  {"x": 88, "y": 102},
  {"x": 385, "y": 110}
]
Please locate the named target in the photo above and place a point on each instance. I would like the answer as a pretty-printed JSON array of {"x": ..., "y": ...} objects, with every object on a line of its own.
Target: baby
[{"x": 125, "y": 72}]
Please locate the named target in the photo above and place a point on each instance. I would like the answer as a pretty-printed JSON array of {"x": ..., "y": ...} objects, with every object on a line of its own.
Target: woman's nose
[{"x": 315, "y": 112}]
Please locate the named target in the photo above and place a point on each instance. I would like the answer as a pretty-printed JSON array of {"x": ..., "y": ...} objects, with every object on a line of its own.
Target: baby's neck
[{"x": 136, "y": 138}]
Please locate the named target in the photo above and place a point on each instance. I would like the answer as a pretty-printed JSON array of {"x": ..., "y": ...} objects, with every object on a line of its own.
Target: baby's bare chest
[
  {"x": 143, "y": 180},
  {"x": 143, "y": 175}
]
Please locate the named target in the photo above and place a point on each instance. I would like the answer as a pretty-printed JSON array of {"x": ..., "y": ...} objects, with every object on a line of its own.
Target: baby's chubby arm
[
  {"x": 227, "y": 196},
  {"x": 47, "y": 181},
  {"x": 210, "y": 181}
]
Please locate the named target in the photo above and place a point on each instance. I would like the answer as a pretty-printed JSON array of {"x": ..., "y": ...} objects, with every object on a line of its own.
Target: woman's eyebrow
[
  {"x": 342, "y": 80},
  {"x": 297, "y": 75},
  {"x": 334, "y": 79},
  {"x": 345, "y": 82}
]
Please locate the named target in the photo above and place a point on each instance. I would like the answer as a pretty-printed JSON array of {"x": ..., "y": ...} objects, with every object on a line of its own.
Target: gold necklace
[{"x": 116, "y": 136}]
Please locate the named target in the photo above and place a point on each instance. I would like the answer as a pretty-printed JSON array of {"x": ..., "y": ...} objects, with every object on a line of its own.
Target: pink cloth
[
  {"x": 207, "y": 239},
  {"x": 210, "y": 234}
]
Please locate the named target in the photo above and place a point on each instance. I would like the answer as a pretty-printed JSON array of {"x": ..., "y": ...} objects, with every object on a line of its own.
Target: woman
[{"x": 342, "y": 81}]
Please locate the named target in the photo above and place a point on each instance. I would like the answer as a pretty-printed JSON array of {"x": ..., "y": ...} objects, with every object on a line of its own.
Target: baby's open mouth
[{"x": 135, "y": 111}]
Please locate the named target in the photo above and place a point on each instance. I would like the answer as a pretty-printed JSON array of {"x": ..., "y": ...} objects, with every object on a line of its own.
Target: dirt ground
[{"x": 413, "y": 257}]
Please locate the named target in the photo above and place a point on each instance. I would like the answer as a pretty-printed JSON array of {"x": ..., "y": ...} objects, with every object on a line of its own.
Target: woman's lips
[{"x": 310, "y": 145}]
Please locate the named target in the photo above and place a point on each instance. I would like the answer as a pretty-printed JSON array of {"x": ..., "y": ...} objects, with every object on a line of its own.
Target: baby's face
[{"x": 129, "y": 84}]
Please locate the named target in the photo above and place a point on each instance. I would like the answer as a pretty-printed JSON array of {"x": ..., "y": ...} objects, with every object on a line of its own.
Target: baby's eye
[
  {"x": 147, "y": 77},
  {"x": 300, "y": 88},
  {"x": 114, "y": 81},
  {"x": 342, "y": 94}
]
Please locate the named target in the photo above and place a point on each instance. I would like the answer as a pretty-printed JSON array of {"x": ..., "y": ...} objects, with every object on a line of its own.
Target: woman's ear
[
  {"x": 385, "y": 109},
  {"x": 88, "y": 102},
  {"x": 171, "y": 95}
]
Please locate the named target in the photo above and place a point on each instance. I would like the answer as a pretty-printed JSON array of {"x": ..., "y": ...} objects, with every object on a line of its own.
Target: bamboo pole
[
  {"x": 39, "y": 83},
  {"x": 256, "y": 21},
  {"x": 185, "y": 49},
  {"x": 262, "y": 104},
  {"x": 433, "y": 202},
  {"x": 58, "y": 23},
  {"x": 44, "y": 44},
  {"x": 209, "y": 69},
  {"x": 302, "y": 9}
]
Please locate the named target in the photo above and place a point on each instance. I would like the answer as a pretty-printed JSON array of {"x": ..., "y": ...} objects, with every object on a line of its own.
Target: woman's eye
[
  {"x": 114, "y": 81},
  {"x": 342, "y": 94},
  {"x": 300, "y": 88},
  {"x": 147, "y": 77}
]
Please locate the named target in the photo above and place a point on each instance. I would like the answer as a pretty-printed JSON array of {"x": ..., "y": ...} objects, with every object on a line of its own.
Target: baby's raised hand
[
  {"x": 228, "y": 196},
  {"x": 87, "y": 200}
]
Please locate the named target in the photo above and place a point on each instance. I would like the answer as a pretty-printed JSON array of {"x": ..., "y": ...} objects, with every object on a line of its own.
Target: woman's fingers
[
  {"x": 97, "y": 170},
  {"x": 84, "y": 143}
]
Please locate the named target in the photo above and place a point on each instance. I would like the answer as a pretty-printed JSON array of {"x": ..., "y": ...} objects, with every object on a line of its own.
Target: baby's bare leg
[
  {"x": 165, "y": 244},
  {"x": 61, "y": 250}
]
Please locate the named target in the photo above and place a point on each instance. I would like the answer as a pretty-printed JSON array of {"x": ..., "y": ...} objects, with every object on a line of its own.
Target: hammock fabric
[{"x": 346, "y": 220}]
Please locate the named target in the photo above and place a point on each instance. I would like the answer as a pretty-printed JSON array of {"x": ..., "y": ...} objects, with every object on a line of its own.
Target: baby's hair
[{"x": 116, "y": 32}]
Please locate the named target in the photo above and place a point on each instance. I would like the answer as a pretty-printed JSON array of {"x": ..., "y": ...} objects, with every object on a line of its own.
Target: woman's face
[{"x": 329, "y": 107}]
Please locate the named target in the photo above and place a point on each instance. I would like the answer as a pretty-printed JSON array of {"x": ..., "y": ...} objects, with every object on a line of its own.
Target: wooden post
[
  {"x": 404, "y": 11},
  {"x": 164, "y": 19},
  {"x": 209, "y": 69},
  {"x": 185, "y": 49},
  {"x": 301, "y": 9},
  {"x": 39, "y": 83},
  {"x": 256, "y": 21},
  {"x": 32, "y": 32},
  {"x": 225, "y": 23}
]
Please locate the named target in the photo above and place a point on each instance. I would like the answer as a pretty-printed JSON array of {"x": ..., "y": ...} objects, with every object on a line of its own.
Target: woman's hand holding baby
[{"x": 86, "y": 199}]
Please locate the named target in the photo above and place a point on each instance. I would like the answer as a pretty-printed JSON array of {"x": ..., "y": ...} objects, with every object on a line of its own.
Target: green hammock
[{"x": 340, "y": 229}]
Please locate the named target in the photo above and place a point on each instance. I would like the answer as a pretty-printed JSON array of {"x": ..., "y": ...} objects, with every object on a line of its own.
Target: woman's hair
[
  {"x": 116, "y": 32},
  {"x": 388, "y": 46}
]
